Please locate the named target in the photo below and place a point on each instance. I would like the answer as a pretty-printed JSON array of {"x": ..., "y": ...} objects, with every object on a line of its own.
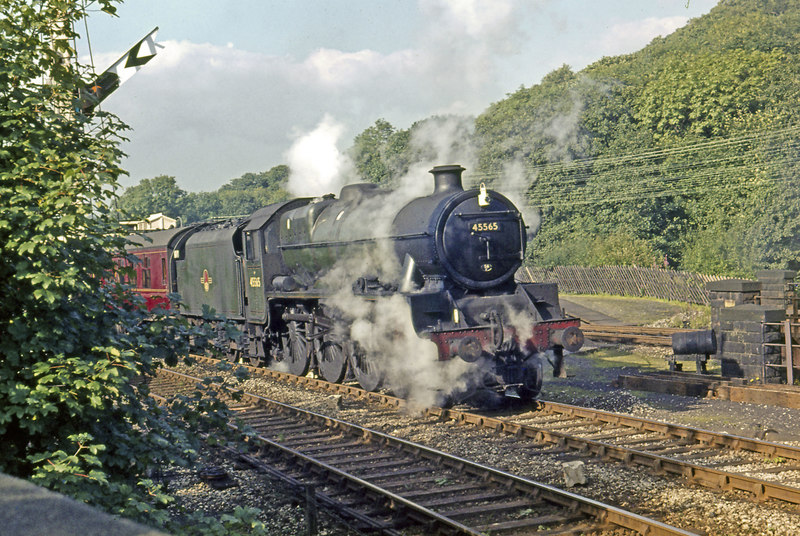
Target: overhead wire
[{"x": 662, "y": 172}]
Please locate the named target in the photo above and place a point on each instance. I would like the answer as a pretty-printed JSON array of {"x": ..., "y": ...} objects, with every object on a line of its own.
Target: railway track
[
  {"x": 765, "y": 469},
  {"x": 714, "y": 460},
  {"x": 631, "y": 334},
  {"x": 399, "y": 485}
]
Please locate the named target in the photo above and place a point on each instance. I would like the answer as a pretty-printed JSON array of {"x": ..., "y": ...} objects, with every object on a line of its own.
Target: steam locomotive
[{"x": 304, "y": 277}]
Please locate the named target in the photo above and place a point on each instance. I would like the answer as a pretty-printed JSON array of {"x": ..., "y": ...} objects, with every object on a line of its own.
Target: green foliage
[
  {"x": 240, "y": 196},
  {"x": 243, "y": 520},
  {"x": 706, "y": 94},
  {"x": 368, "y": 151},
  {"x": 617, "y": 249},
  {"x": 686, "y": 148},
  {"x": 73, "y": 342},
  {"x": 151, "y": 196},
  {"x": 383, "y": 154}
]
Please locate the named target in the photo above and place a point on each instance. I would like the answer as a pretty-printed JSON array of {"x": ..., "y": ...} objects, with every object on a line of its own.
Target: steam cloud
[
  {"x": 513, "y": 183},
  {"x": 317, "y": 166},
  {"x": 383, "y": 327}
]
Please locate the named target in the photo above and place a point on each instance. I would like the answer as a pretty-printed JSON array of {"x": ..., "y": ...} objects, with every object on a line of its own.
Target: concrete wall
[{"x": 27, "y": 510}]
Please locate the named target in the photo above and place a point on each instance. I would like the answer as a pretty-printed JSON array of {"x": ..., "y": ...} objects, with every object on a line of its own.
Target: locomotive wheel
[
  {"x": 367, "y": 373},
  {"x": 297, "y": 352},
  {"x": 332, "y": 362}
]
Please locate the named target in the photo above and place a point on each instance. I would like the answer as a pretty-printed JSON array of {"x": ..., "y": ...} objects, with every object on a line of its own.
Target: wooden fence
[{"x": 624, "y": 281}]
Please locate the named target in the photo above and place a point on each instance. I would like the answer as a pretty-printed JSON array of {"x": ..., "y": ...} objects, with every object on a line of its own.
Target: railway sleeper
[
  {"x": 539, "y": 521},
  {"x": 311, "y": 434},
  {"x": 357, "y": 466},
  {"x": 275, "y": 430},
  {"x": 263, "y": 416},
  {"x": 443, "y": 490},
  {"x": 495, "y": 495},
  {"x": 484, "y": 509},
  {"x": 405, "y": 472},
  {"x": 412, "y": 484},
  {"x": 332, "y": 457},
  {"x": 333, "y": 446},
  {"x": 346, "y": 459},
  {"x": 622, "y": 432}
]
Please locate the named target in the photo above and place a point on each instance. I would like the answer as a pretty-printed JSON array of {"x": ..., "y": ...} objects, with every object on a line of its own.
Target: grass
[
  {"x": 645, "y": 311},
  {"x": 616, "y": 357},
  {"x": 554, "y": 389}
]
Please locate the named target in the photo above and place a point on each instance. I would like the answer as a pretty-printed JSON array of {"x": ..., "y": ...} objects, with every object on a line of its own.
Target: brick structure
[
  {"x": 739, "y": 341},
  {"x": 730, "y": 293},
  {"x": 739, "y": 308}
]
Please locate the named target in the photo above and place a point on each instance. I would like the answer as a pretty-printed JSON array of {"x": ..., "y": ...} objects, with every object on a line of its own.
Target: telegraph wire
[{"x": 652, "y": 177}]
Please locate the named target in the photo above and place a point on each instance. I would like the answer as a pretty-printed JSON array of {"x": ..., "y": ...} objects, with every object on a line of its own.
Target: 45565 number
[{"x": 486, "y": 226}]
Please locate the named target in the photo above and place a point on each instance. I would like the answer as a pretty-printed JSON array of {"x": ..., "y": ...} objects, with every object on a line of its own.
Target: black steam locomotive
[{"x": 314, "y": 282}]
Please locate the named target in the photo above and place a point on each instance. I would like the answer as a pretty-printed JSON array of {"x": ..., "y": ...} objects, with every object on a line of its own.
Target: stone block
[
  {"x": 744, "y": 350},
  {"x": 748, "y": 326},
  {"x": 733, "y": 285},
  {"x": 26, "y": 509},
  {"x": 574, "y": 473},
  {"x": 730, "y": 367},
  {"x": 752, "y": 313},
  {"x": 755, "y": 337},
  {"x": 334, "y": 402},
  {"x": 752, "y": 371},
  {"x": 776, "y": 275}
]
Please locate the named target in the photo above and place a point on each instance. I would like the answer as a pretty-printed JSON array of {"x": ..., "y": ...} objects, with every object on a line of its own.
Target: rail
[
  {"x": 706, "y": 476},
  {"x": 633, "y": 334},
  {"x": 300, "y": 435}
]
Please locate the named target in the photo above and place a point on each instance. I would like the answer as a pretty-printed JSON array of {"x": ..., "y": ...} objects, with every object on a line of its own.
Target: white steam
[
  {"x": 317, "y": 166},
  {"x": 383, "y": 326},
  {"x": 384, "y": 330},
  {"x": 514, "y": 183}
]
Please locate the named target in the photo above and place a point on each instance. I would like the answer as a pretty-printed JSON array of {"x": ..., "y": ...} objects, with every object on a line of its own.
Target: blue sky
[{"x": 238, "y": 84}]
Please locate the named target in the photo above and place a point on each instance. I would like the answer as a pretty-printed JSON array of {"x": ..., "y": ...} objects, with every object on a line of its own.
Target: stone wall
[
  {"x": 740, "y": 337},
  {"x": 773, "y": 286},
  {"x": 739, "y": 308}
]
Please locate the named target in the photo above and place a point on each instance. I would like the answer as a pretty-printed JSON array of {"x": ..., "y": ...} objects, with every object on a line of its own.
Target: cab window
[{"x": 249, "y": 247}]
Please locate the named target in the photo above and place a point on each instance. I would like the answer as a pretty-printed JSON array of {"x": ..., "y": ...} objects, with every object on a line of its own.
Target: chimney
[{"x": 447, "y": 178}]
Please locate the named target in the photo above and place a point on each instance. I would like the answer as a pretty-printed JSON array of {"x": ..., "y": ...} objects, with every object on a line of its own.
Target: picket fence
[{"x": 624, "y": 281}]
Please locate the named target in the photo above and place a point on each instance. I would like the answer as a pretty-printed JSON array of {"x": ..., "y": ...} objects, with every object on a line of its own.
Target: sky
[{"x": 239, "y": 85}]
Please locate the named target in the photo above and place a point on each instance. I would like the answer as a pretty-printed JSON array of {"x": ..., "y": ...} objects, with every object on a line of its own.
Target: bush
[{"x": 72, "y": 340}]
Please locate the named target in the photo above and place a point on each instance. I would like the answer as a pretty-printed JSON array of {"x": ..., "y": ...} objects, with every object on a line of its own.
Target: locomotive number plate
[
  {"x": 255, "y": 282},
  {"x": 486, "y": 226}
]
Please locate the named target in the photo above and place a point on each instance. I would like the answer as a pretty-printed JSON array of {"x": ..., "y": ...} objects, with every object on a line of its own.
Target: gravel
[
  {"x": 668, "y": 499},
  {"x": 281, "y": 511}
]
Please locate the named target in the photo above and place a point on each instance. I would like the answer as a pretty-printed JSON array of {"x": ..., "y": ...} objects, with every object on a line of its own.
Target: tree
[
  {"x": 151, "y": 196},
  {"x": 71, "y": 417},
  {"x": 367, "y": 151},
  {"x": 705, "y": 94},
  {"x": 240, "y": 196}
]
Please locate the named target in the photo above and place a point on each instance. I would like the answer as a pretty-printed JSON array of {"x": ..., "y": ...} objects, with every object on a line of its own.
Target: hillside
[{"x": 684, "y": 150}]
